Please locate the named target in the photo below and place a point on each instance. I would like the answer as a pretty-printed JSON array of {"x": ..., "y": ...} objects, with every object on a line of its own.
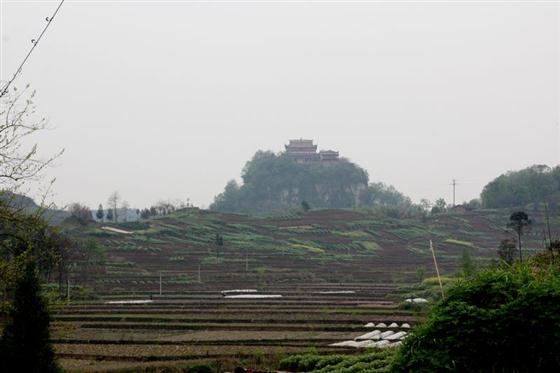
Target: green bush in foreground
[
  {"x": 201, "y": 368},
  {"x": 25, "y": 344},
  {"x": 503, "y": 320},
  {"x": 377, "y": 361}
]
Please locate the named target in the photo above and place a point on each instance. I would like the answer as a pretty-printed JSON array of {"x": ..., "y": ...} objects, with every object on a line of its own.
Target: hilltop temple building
[{"x": 303, "y": 151}]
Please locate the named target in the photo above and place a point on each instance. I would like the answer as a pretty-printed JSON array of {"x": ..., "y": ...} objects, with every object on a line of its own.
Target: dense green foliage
[
  {"x": 200, "y": 368},
  {"x": 25, "y": 344},
  {"x": 29, "y": 234},
  {"x": 534, "y": 184},
  {"x": 503, "y": 320},
  {"x": 382, "y": 195},
  {"x": 31, "y": 250},
  {"x": 274, "y": 183},
  {"x": 377, "y": 361}
]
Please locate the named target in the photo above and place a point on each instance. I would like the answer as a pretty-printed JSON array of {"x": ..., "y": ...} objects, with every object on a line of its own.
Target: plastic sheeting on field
[
  {"x": 253, "y": 296},
  {"x": 346, "y": 344},
  {"x": 116, "y": 230},
  {"x": 238, "y": 291},
  {"x": 396, "y": 336},
  {"x": 371, "y": 335},
  {"x": 366, "y": 344},
  {"x": 416, "y": 300},
  {"x": 336, "y": 292},
  {"x": 383, "y": 344},
  {"x": 378, "y": 338},
  {"x": 384, "y": 335},
  {"x": 138, "y": 301}
]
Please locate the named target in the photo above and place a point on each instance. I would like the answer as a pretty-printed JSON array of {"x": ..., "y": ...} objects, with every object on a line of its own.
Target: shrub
[
  {"x": 25, "y": 344},
  {"x": 433, "y": 281},
  {"x": 201, "y": 368},
  {"x": 503, "y": 320},
  {"x": 376, "y": 361}
]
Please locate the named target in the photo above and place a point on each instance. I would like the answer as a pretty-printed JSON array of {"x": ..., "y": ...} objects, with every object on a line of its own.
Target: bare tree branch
[{"x": 20, "y": 162}]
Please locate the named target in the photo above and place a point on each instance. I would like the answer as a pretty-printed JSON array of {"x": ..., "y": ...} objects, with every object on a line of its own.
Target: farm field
[
  {"x": 332, "y": 272},
  {"x": 182, "y": 329}
]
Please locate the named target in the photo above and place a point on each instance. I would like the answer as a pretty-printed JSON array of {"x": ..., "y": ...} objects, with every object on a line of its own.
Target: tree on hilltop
[
  {"x": 110, "y": 214},
  {"x": 518, "y": 188},
  {"x": 275, "y": 183},
  {"x": 100, "y": 215},
  {"x": 81, "y": 213},
  {"x": 113, "y": 202},
  {"x": 125, "y": 206},
  {"x": 219, "y": 244},
  {"x": 440, "y": 206},
  {"x": 519, "y": 221}
]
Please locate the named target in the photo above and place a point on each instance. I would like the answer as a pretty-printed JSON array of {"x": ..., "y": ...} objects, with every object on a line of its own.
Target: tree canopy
[
  {"x": 275, "y": 183},
  {"x": 533, "y": 184}
]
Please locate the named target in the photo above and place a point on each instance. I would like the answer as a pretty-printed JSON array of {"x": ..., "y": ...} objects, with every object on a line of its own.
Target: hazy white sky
[{"x": 168, "y": 99}]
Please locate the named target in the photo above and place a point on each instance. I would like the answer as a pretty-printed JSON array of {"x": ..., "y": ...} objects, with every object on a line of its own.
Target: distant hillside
[
  {"x": 277, "y": 183},
  {"x": 28, "y": 205},
  {"x": 317, "y": 246},
  {"x": 18, "y": 201},
  {"x": 535, "y": 184}
]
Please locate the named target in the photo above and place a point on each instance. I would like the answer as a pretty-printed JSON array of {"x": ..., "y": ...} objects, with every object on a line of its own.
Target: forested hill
[
  {"x": 532, "y": 185},
  {"x": 276, "y": 183}
]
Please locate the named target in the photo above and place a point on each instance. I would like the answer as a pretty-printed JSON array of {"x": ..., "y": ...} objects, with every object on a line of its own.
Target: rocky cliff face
[{"x": 325, "y": 194}]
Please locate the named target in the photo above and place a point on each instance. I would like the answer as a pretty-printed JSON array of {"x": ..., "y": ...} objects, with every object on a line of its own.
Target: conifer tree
[
  {"x": 100, "y": 214},
  {"x": 519, "y": 221},
  {"x": 25, "y": 344}
]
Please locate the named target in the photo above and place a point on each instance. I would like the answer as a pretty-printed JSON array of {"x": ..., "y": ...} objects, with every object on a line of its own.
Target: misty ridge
[{"x": 275, "y": 184}]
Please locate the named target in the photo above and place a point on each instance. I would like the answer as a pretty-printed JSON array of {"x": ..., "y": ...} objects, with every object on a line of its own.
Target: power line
[{"x": 49, "y": 20}]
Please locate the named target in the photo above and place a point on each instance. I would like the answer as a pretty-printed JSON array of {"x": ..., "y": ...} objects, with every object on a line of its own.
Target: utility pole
[
  {"x": 437, "y": 268},
  {"x": 547, "y": 222},
  {"x": 454, "y": 185}
]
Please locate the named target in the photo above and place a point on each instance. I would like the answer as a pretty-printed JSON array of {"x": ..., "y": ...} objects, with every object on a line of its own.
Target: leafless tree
[
  {"x": 113, "y": 203},
  {"x": 125, "y": 206},
  {"x": 18, "y": 121}
]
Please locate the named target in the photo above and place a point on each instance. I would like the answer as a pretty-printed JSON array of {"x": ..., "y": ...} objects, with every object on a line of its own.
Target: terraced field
[
  {"x": 201, "y": 325},
  {"x": 335, "y": 270}
]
